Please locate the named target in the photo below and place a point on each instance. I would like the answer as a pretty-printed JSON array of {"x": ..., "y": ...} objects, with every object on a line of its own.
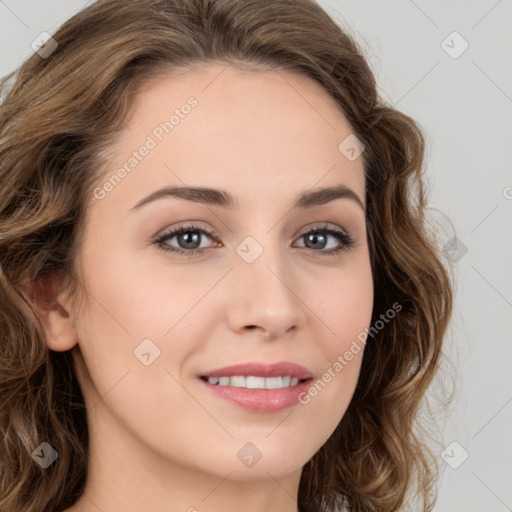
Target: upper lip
[{"x": 262, "y": 370}]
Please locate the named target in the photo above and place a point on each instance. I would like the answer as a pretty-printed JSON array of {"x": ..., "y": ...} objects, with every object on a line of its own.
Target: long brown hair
[{"x": 60, "y": 112}]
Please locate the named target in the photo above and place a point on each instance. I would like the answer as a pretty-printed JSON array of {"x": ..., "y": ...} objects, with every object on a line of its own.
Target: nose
[{"x": 264, "y": 298}]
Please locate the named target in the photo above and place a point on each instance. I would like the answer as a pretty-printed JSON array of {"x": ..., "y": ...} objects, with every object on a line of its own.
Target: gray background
[{"x": 464, "y": 105}]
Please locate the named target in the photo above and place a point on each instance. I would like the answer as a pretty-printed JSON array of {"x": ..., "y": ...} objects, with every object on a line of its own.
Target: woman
[{"x": 218, "y": 288}]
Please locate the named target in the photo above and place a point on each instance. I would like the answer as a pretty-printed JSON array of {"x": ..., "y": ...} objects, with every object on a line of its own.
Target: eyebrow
[{"x": 214, "y": 197}]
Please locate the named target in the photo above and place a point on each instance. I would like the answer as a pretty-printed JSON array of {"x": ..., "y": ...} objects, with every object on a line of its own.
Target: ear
[{"x": 50, "y": 305}]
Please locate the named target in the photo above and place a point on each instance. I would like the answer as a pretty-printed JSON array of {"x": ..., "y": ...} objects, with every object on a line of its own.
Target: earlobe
[{"x": 54, "y": 313}]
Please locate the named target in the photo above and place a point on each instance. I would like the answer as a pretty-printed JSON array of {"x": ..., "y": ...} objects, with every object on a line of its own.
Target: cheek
[
  {"x": 132, "y": 312},
  {"x": 344, "y": 306},
  {"x": 122, "y": 311},
  {"x": 137, "y": 295},
  {"x": 132, "y": 300},
  {"x": 343, "y": 301}
]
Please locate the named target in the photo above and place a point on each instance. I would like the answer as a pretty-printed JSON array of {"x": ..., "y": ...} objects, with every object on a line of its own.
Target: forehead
[
  {"x": 240, "y": 97},
  {"x": 247, "y": 129}
]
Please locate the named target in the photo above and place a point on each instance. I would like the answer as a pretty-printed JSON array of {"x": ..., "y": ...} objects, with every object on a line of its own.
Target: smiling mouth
[{"x": 255, "y": 382}]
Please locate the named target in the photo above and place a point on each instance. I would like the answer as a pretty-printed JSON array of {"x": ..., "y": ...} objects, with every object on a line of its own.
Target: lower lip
[{"x": 260, "y": 400}]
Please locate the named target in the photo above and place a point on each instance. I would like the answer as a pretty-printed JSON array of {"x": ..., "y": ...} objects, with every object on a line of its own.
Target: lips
[
  {"x": 259, "y": 400},
  {"x": 257, "y": 369}
]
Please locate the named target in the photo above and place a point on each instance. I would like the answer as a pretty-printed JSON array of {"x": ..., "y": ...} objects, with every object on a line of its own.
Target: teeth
[
  {"x": 252, "y": 382},
  {"x": 238, "y": 382}
]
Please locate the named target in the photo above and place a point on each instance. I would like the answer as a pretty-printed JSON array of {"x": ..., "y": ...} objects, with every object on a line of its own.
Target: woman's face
[{"x": 257, "y": 291}]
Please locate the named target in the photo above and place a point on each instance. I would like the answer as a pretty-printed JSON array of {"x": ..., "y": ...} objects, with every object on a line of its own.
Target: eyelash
[{"x": 347, "y": 242}]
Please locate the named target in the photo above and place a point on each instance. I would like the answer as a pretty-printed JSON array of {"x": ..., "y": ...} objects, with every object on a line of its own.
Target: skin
[{"x": 159, "y": 440}]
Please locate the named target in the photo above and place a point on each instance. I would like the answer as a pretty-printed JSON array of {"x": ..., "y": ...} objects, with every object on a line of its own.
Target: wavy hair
[{"x": 60, "y": 112}]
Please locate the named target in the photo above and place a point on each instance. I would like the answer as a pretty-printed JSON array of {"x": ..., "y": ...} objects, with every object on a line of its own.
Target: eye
[
  {"x": 318, "y": 239},
  {"x": 189, "y": 240}
]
